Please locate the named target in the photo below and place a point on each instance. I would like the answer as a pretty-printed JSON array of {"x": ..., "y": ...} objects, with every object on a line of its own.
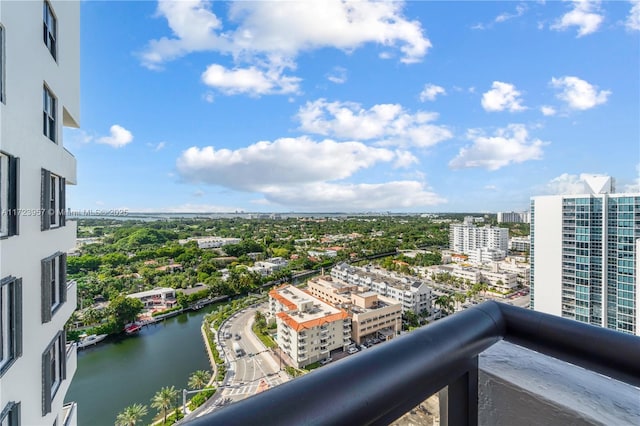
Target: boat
[
  {"x": 132, "y": 328},
  {"x": 91, "y": 339}
]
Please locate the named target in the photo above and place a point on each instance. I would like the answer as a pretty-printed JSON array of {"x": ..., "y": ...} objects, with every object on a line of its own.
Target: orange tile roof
[
  {"x": 305, "y": 325},
  {"x": 283, "y": 300}
]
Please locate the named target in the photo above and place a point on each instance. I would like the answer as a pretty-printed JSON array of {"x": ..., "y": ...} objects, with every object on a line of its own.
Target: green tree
[
  {"x": 131, "y": 415},
  {"x": 459, "y": 298},
  {"x": 199, "y": 379},
  {"x": 445, "y": 302},
  {"x": 125, "y": 309},
  {"x": 164, "y": 399}
]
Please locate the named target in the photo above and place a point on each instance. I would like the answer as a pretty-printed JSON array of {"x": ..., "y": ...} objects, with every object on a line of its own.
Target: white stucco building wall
[{"x": 37, "y": 366}]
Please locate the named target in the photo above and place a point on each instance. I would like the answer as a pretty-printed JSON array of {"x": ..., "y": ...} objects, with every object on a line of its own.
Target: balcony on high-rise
[{"x": 493, "y": 364}]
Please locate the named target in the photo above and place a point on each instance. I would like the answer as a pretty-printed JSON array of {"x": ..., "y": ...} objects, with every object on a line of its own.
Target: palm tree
[
  {"x": 445, "y": 302},
  {"x": 131, "y": 415},
  {"x": 163, "y": 400},
  {"x": 459, "y": 298},
  {"x": 199, "y": 379}
]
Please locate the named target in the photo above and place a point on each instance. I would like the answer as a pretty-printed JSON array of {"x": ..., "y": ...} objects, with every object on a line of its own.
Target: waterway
[{"x": 118, "y": 373}]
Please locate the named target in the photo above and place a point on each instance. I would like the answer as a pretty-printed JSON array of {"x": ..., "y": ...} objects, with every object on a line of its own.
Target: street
[{"x": 254, "y": 371}]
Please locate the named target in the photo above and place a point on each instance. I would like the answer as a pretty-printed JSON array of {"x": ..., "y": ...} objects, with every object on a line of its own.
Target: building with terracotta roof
[
  {"x": 308, "y": 328},
  {"x": 372, "y": 315}
]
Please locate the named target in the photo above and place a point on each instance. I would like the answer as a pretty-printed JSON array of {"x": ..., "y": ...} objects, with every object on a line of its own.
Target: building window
[
  {"x": 2, "y": 64},
  {"x": 8, "y": 195},
  {"x": 54, "y": 370},
  {"x": 49, "y": 28},
  {"x": 10, "y": 415},
  {"x": 10, "y": 322},
  {"x": 54, "y": 284},
  {"x": 48, "y": 114},
  {"x": 52, "y": 200}
]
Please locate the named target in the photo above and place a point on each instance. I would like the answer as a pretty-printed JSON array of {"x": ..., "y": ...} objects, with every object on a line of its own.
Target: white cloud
[
  {"x": 404, "y": 159},
  {"x": 509, "y": 145},
  {"x": 547, "y": 110},
  {"x": 490, "y": 187},
  {"x": 389, "y": 124},
  {"x": 579, "y": 94},
  {"x": 198, "y": 193},
  {"x": 252, "y": 80},
  {"x": 585, "y": 15},
  {"x": 396, "y": 195},
  {"x": 633, "y": 20},
  {"x": 118, "y": 138},
  {"x": 307, "y": 175},
  {"x": 285, "y": 161},
  {"x": 568, "y": 184},
  {"x": 520, "y": 10},
  {"x": 208, "y": 97},
  {"x": 338, "y": 75},
  {"x": 502, "y": 96},
  {"x": 156, "y": 146},
  {"x": 431, "y": 91},
  {"x": 194, "y": 26},
  {"x": 262, "y": 35}
]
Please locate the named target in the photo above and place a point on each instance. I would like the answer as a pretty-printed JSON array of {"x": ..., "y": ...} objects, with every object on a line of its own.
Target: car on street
[
  {"x": 352, "y": 351},
  {"x": 237, "y": 336},
  {"x": 326, "y": 361}
]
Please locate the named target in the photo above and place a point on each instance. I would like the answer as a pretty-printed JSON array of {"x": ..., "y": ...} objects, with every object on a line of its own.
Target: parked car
[
  {"x": 352, "y": 351},
  {"x": 326, "y": 361},
  {"x": 237, "y": 336}
]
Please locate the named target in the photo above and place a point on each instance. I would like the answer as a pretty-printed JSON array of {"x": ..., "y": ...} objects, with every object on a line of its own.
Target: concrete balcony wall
[{"x": 518, "y": 386}]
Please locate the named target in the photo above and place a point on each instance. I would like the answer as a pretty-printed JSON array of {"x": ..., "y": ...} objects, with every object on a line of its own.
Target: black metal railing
[{"x": 379, "y": 385}]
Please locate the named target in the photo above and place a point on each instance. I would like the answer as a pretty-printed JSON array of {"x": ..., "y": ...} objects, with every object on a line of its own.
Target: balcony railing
[
  {"x": 413, "y": 367},
  {"x": 69, "y": 413}
]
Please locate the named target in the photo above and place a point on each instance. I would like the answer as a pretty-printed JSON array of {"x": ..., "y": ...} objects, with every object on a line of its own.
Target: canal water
[{"x": 117, "y": 373}]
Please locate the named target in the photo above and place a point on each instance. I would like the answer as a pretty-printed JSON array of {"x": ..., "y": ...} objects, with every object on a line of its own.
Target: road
[{"x": 253, "y": 372}]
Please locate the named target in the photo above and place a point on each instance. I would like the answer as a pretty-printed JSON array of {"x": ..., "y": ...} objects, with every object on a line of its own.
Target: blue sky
[{"x": 426, "y": 106}]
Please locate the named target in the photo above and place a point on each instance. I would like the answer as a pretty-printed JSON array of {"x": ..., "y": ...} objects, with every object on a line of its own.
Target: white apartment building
[
  {"x": 584, "y": 256},
  {"x": 466, "y": 237},
  {"x": 521, "y": 244},
  {"x": 482, "y": 255},
  {"x": 414, "y": 294},
  {"x": 308, "y": 328},
  {"x": 269, "y": 266},
  {"x": 494, "y": 277},
  {"x": 211, "y": 242},
  {"x": 513, "y": 217},
  {"x": 39, "y": 95},
  {"x": 520, "y": 269}
]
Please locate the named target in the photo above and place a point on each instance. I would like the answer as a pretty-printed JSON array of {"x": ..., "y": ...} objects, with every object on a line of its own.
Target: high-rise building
[
  {"x": 584, "y": 263},
  {"x": 39, "y": 95},
  {"x": 466, "y": 238}
]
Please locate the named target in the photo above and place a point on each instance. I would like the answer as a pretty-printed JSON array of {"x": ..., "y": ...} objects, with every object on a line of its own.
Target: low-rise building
[
  {"x": 483, "y": 255},
  {"x": 211, "y": 242},
  {"x": 163, "y": 297},
  {"x": 308, "y": 329},
  {"x": 331, "y": 290},
  {"x": 412, "y": 293},
  {"x": 269, "y": 266},
  {"x": 374, "y": 316},
  {"x": 520, "y": 244}
]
